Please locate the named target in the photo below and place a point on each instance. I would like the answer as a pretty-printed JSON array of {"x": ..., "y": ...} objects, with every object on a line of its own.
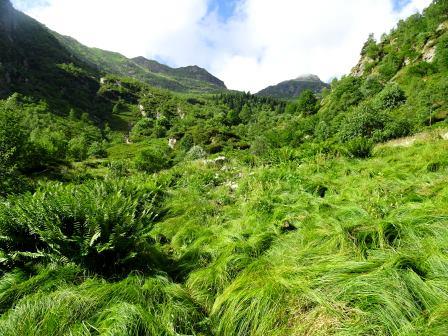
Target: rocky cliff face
[{"x": 397, "y": 53}]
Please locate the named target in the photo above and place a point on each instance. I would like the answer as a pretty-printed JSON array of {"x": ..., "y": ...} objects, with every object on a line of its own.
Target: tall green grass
[{"x": 330, "y": 246}]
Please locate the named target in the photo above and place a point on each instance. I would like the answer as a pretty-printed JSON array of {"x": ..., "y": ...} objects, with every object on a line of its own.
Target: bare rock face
[
  {"x": 442, "y": 27},
  {"x": 360, "y": 68},
  {"x": 429, "y": 51},
  {"x": 142, "y": 110},
  {"x": 172, "y": 143}
]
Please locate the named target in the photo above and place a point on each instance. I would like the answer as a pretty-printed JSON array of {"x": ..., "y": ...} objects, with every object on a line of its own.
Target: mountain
[
  {"x": 185, "y": 79},
  {"x": 34, "y": 63},
  {"x": 291, "y": 89},
  {"x": 42, "y": 64}
]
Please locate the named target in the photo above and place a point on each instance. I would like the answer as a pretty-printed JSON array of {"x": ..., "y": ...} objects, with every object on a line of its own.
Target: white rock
[{"x": 172, "y": 143}]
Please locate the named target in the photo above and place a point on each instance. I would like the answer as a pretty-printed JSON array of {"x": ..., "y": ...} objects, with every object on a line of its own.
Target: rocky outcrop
[
  {"x": 429, "y": 51},
  {"x": 360, "y": 68}
]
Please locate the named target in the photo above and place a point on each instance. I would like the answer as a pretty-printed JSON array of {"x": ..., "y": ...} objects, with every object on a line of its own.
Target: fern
[{"x": 101, "y": 226}]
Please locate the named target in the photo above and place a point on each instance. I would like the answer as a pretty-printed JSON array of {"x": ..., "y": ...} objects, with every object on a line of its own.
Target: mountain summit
[{"x": 291, "y": 89}]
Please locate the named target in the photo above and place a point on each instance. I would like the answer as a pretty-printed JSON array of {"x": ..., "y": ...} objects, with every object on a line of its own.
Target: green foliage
[
  {"x": 370, "y": 48},
  {"x": 153, "y": 159},
  {"x": 97, "y": 150},
  {"x": 422, "y": 69},
  {"x": 441, "y": 58},
  {"x": 101, "y": 227},
  {"x": 196, "y": 153},
  {"x": 144, "y": 127},
  {"x": 371, "y": 86},
  {"x": 365, "y": 121},
  {"x": 390, "y": 65},
  {"x": 77, "y": 148},
  {"x": 359, "y": 147},
  {"x": 303, "y": 224},
  {"x": 392, "y": 96},
  {"x": 307, "y": 103}
]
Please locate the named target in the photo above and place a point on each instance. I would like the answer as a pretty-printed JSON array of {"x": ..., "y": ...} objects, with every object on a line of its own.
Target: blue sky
[
  {"x": 225, "y": 8},
  {"x": 249, "y": 44},
  {"x": 399, "y": 4}
]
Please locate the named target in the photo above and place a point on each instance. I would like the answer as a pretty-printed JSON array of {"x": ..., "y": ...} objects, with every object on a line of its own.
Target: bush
[
  {"x": 307, "y": 103},
  {"x": 153, "y": 159},
  {"x": 441, "y": 59},
  {"x": 422, "y": 69},
  {"x": 49, "y": 146},
  {"x": 397, "y": 129},
  {"x": 260, "y": 146},
  {"x": 371, "y": 86},
  {"x": 77, "y": 148},
  {"x": 97, "y": 150},
  {"x": 118, "y": 168},
  {"x": 391, "y": 97},
  {"x": 390, "y": 66},
  {"x": 359, "y": 147},
  {"x": 143, "y": 128},
  {"x": 364, "y": 121},
  {"x": 196, "y": 153}
]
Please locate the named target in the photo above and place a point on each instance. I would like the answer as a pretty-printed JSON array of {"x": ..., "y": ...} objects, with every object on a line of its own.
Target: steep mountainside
[
  {"x": 291, "y": 89},
  {"x": 400, "y": 82},
  {"x": 191, "y": 78},
  {"x": 34, "y": 63}
]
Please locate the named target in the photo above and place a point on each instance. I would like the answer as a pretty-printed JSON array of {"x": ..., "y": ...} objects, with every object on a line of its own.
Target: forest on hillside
[{"x": 132, "y": 209}]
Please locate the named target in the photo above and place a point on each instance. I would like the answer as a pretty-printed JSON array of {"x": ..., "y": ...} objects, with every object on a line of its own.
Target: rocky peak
[{"x": 308, "y": 78}]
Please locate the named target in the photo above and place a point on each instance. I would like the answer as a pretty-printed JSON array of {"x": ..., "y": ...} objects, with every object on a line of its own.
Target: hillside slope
[
  {"x": 34, "y": 63},
  {"x": 186, "y": 79}
]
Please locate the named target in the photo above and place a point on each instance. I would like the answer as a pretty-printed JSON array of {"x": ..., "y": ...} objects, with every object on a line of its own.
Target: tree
[
  {"x": 12, "y": 148},
  {"x": 153, "y": 159},
  {"x": 307, "y": 103},
  {"x": 391, "y": 97},
  {"x": 370, "y": 48},
  {"x": 246, "y": 113}
]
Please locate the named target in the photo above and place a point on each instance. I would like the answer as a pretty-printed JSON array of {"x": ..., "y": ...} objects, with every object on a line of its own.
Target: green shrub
[
  {"x": 153, "y": 159},
  {"x": 118, "y": 168},
  {"x": 371, "y": 86},
  {"x": 307, "y": 103},
  {"x": 391, "y": 97},
  {"x": 390, "y": 65},
  {"x": 97, "y": 149},
  {"x": 78, "y": 148},
  {"x": 260, "y": 146},
  {"x": 421, "y": 69},
  {"x": 364, "y": 121},
  {"x": 196, "y": 153},
  {"x": 143, "y": 128},
  {"x": 359, "y": 147}
]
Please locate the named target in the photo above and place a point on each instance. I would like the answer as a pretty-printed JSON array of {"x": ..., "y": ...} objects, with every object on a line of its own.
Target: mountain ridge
[{"x": 183, "y": 79}]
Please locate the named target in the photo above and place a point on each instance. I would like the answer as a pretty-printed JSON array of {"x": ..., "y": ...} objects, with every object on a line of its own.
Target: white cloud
[{"x": 265, "y": 42}]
